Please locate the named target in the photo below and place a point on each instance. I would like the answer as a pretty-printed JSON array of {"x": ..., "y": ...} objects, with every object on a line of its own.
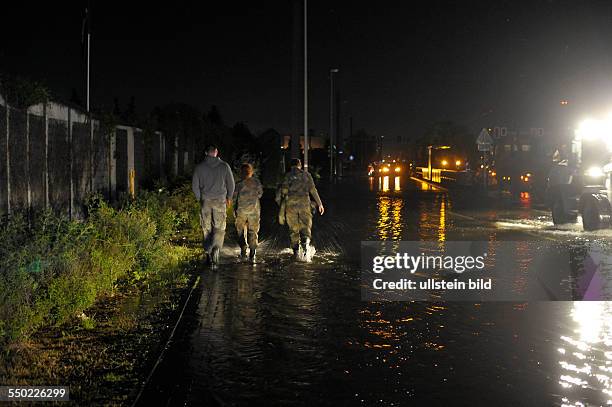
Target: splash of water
[{"x": 306, "y": 257}]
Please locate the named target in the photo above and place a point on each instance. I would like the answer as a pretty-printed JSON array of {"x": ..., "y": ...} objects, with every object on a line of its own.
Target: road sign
[{"x": 484, "y": 137}]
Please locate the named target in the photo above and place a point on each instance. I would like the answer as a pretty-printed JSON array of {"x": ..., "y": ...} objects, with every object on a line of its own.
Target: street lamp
[
  {"x": 306, "y": 141},
  {"x": 332, "y": 167}
]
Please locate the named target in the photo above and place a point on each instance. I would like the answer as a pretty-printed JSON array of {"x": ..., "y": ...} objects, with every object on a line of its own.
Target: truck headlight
[{"x": 595, "y": 172}]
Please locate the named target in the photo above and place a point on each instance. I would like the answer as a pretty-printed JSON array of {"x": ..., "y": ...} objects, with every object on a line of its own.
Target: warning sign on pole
[{"x": 484, "y": 140}]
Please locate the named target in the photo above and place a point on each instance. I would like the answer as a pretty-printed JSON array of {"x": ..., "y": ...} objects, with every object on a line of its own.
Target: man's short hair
[
  {"x": 211, "y": 148},
  {"x": 296, "y": 162}
]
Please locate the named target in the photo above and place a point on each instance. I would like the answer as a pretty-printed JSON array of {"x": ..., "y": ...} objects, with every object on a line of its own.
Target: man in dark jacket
[{"x": 213, "y": 186}]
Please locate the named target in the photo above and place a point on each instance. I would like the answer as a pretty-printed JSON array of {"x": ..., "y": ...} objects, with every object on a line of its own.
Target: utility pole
[
  {"x": 429, "y": 148},
  {"x": 87, "y": 40},
  {"x": 306, "y": 145},
  {"x": 296, "y": 87},
  {"x": 332, "y": 171},
  {"x": 88, "y": 66}
]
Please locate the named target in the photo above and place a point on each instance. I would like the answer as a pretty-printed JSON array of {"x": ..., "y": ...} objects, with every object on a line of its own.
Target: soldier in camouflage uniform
[
  {"x": 293, "y": 196},
  {"x": 247, "y": 210}
]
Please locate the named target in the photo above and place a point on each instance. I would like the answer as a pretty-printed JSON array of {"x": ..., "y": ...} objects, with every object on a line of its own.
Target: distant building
[
  {"x": 363, "y": 147},
  {"x": 315, "y": 142},
  {"x": 396, "y": 146}
]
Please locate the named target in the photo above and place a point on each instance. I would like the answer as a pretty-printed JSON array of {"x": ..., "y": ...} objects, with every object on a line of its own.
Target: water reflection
[
  {"x": 389, "y": 225},
  {"x": 433, "y": 220},
  {"x": 385, "y": 187},
  {"x": 384, "y": 184},
  {"x": 525, "y": 200},
  {"x": 442, "y": 222},
  {"x": 586, "y": 356}
]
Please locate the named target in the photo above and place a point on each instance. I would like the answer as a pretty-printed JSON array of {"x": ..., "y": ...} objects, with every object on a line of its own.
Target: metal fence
[{"x": 54, "y": 156}]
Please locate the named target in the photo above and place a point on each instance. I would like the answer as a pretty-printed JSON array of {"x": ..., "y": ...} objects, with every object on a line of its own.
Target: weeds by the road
[{"x": 53, "y": 268}]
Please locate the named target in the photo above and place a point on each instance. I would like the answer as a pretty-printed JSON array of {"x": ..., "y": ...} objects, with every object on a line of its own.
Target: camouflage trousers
[
  {"x": 213, "y": 214},
  {"x": 247, "y": 226},
  {"x": 299, "y": 220}
]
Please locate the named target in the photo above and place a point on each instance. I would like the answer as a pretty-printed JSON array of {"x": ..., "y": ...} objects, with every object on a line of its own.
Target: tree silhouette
[
  {"x": 116, "y": 108},
  {"x": 214, "y": 117},
  {"x": 75, "y": 99}
]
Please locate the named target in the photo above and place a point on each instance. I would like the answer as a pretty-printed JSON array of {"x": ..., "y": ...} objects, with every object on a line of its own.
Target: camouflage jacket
[
  {"x": 247, "y": 194},
  {"x": 297, "y": 186}
]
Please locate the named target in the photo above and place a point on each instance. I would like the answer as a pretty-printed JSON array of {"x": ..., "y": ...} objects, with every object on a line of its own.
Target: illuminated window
[
  {"x": 526, "y": 147},
  {"x": 507, "y": 147}
]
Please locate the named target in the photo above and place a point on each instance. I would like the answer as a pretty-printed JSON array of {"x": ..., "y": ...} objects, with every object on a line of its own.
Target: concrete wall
[{"x": 54, "y": 156}]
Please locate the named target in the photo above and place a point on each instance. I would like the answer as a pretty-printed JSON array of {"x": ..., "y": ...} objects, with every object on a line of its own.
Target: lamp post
[
  {"x": 429, "y": 148},
  {"x": 332, "y": 166},
  {"x": 306, "y": 145}
]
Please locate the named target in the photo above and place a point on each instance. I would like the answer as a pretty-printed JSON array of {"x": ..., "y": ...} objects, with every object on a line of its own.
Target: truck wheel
[
  {"x": 595, "y": 213},
  {"x": 558, "y": 212}
]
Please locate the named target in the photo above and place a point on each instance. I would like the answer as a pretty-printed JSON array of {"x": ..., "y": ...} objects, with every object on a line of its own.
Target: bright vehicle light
[
  {"x": 494, "y": 173},
  {"x": 458, "y": 163},
  {"x": 528, "y": 174},
  {"x": 522, "y": 178},
  {"x": 397, "y": 169},
  {"x": 589, "y": 129},
  {"x": 596, "y": 130},
  {"x": 444, "y": 163},
  {"x": 595, "y": 172},
  {"x": 385, "y": 169}
]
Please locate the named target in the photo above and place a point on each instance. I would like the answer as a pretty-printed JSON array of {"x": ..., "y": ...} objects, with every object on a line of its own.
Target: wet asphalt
[{"x": 299, "y": 334}]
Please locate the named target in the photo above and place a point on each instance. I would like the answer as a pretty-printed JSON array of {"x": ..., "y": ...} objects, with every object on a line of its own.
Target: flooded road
[{"x": 283, "y": 333}]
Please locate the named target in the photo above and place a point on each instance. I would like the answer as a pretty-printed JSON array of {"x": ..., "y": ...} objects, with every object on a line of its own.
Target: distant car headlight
[
  {"x": 595, "y": 172},
  {"x": 385, "y": 169},
  {"x": 397, "y": 169}
]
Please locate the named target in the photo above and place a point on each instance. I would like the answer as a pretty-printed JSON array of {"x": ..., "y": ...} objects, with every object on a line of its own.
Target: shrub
[{"x": 53, "y": 268}]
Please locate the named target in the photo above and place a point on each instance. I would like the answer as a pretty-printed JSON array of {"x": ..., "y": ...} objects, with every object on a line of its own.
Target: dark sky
[{"x": 404, "y": 64}]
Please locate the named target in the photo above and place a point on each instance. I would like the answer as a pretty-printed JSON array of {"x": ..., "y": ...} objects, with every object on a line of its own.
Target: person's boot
[
  {"x": 214, "y": 256},
  {"x": 253, "y": 255},
  {"x": 206, "y": 258},
  {"x": 296, "y": 252},
  {"x": 243, "y": 253},
  {"x": 305, "y": 244}
]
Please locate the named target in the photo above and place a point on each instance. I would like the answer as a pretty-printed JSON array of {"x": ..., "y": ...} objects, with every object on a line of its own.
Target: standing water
[{"x": 297, "y": 333}]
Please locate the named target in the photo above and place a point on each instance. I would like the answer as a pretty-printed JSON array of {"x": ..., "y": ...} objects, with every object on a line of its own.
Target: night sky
[{"x": 403, "y": 64}]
